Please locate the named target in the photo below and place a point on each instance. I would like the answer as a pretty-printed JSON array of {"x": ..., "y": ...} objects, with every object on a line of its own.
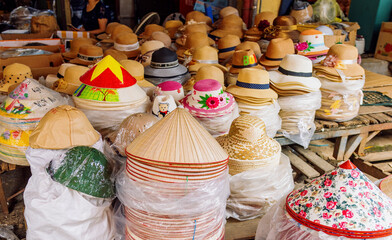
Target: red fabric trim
[{"x": 348, "y": 165}]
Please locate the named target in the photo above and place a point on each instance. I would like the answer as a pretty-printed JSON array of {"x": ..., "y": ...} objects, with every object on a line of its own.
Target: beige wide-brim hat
[
  {"x": 75, "y": 45},
  {"x": 136, "y": 69},
  {"x": 254, "y": 83},
  {"x": 88, "y": 55},
  {"x": 71, "y": 81}
]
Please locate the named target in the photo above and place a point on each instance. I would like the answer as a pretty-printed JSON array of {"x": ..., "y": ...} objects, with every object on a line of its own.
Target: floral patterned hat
[
  {"x": 207, "y": 99},
  {"x": 343, "y": 202},
  {"x": 311, "y": 44}
]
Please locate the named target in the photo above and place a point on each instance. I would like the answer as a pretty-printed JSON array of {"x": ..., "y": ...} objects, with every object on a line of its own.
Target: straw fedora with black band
[
  {"x": 75, "y": 45},
  {"x": 88, "y": 55},
  {"x": 164, "y": 66},
  {"x": 250, "y": 45},
  {"x": 252, "y": 82},
  {"x": 243, "y": 59},
  {"x": 128, "y": 44},
  {"x": 226, "y": 46},
  {"x": 276, "y": 50},
  {"x": 203, "y": 56},
  {"x": 71, "y": 81},
  {"x": 146, "y": 51}
]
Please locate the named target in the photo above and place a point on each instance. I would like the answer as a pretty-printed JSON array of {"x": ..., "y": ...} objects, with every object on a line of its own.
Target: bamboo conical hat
[{"x": 178, "y": 138}]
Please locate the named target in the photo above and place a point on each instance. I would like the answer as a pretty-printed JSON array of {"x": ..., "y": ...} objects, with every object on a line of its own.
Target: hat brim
[
  {"x": 81, "y": 62},
  {"x": 308, "y": 82},
  {"x": 182, "y": 79},
  {"x": 197, "y": 66},
  {"x": 255, "y": 93},
  {"x": 269, "y": 63},
  {"x": 351, "y": 71},
  {"x": 70, "y": 89},
  {"x": 237, "y": 70},
  {"x": 69, "y": 55},
  {"x": 129, "y": 54},
  {"x": 103, "y": 36},
  {"x": 323, "y": 50},
  {"x": 225, "y": 55},
  {"x": 165, "y": 72},
  {"x": 144, "y": 83}
]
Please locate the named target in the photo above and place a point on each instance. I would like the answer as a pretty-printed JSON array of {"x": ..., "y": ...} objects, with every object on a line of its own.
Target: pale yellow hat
[
  {"x": 13, "y": 75},
  {"x": 71, "y": 81},
  {"x": 136, "y": 69}
]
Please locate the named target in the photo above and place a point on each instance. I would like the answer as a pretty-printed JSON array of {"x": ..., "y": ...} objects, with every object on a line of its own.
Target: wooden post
[
  {"x": 3, "y": 199},
  {"x": 340, "y": 148}
]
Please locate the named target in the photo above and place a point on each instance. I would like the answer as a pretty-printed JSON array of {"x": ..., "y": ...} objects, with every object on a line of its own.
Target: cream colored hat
[
  {"x": 14, "y": 74},
  {"x": 63, "y": 127},
  {"x": 136, "y": 69},
  {"x": 146, "y": 51},
  {"x": 52, "y": 78},
  {"x": 71, "y": 81}
]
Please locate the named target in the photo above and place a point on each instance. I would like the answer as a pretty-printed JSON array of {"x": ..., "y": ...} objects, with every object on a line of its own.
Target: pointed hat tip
[{"x": 348, "y": 165}]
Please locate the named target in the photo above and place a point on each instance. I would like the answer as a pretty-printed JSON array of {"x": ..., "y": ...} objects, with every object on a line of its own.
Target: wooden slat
[
  {"x": 245, "y": 230},
  {"x": 371, "y": 119},
  {"x": 314, "y": 158},
  {"x": 323, "y": 148},
  {"x": 377, "y": 156},
  {"x": 384, "y": 166},
  {"x": 353, "y": 122},
  {"x": 376, "y": 80},
  {"x": 352, "y": 144},
  {"x": 340, "y": 147},
  {"x": 299, "y": 164},
  {"x": 329, "y": 124},
  {"x": 373, "y": 109},
  {"x": 368, "y": 168}
]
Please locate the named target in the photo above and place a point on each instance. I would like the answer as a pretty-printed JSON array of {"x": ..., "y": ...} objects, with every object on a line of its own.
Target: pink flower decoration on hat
[
  {"x": 212, "y": 102},
  {"x": 330, "y": 61},
  {"x": 301, "y": 46}
]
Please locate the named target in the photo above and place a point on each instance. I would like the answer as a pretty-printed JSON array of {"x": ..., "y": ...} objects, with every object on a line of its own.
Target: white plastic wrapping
[
  {"x": 197, "y": 209},
  {"x": 276, "y": 224},
  {"x": 270, "y": 115},
  {"x": 297, "y": 113},
  {"x": 253, "y": 192},
  {"x": 218, "y": 126}
]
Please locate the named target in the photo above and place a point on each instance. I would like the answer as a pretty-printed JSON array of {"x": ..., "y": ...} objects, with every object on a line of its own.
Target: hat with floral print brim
[{"x": 343, "y": 202}]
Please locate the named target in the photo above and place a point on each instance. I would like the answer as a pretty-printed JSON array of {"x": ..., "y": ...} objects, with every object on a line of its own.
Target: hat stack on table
[
  {"x": 204, "y": 56},
  {"x": 341, "y": 204},
  {"x": 342, "y": 79},
  {"x": 254, "y": 162},
  {"x": 19, "y": 115},
  {"x": 108, "y": 94},
  {"x": 174, "y": 163},
  {"x": 311, "y": 44},
  {"x": 231, "y": 24},
  {"x": 211, "y": 106},
  {"x": 255, "y": 97},
  {"x": 294, "y": 83},
  {"x": 242, "y": 59},
  {"x": 193, "y": 41}
]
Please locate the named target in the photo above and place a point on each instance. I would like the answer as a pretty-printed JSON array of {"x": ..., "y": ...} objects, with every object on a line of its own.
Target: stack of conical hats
[{"x": 175, "y": 161}]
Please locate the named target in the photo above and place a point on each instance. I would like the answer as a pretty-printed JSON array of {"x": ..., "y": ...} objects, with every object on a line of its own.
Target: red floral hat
[{"x": 343, "y": 202}]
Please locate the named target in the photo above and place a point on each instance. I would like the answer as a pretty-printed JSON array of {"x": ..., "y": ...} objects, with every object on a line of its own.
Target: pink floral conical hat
[{"x": 343, "y": 202}]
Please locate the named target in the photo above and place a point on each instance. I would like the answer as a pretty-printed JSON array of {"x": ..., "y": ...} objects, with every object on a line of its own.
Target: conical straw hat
[
  {"x": 177, "y": 138},
  {"x": 63, "y": 127},
  {"x": 343, "y": 202}
]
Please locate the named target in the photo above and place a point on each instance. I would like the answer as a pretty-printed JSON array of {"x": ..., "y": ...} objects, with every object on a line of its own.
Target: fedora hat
[
  {"x": 207, "y": 99},
  {"x": 71, "y": 81},
  {"x": 276, "y": 50},
  {"x": 287, "y": 27},
  {"x": 252, "y": 82},
  {"x": 193, "y": 41},
  {"x": 13, "y": 75},
  {"x": 203, "y": 56},
  {"x": 226, "y": 11},
  {"x": 231, "y": 21},
  {"x": 117, "y": 29},
  {"x": 136, "y": 69},
  {"x": 249, "y": 146},
  {"x": 127, "y": 43},
  {"x": 192, "y": 28},
  {"x": 227, "y": 45},
  {"x": 243, "y": 59},
  {"x": 172, "y": 26},
  {"x": 149, "y": 29},
  {"x": 206, "y": 72},
  {"x": 75, "y": 45},
  {"x": 108, "y": 31},
  {"x": 198, "y": 17},
  {"x": 146, "y": 51},
  {"x": 163, "y": 105},
  {"x": 63, "y": 127},
  {"x": 340, "y": 58},
  {"x": 265, "y": 16},
  {"x": 311, "y": 43},
  {"x": 88, "y": 55},
  {"x": 118, "y": 55},
  {"x": 295, "y": 73},
  {"x": 250, "y": 45},
  {"x": 52, "y": 78},
  {"x": 164, "y": 67},
  {"x": 161, "y": 36},
  {"x": 171, "y": 88}
]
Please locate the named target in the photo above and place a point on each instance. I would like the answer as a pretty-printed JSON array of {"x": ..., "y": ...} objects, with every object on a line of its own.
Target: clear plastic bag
[
  {"x": 197, "y": 211},
  {"x": 218, "y": 126},
  {"x": 253, "y": 192},
  {"x": 298, "y": 119},
  {"x": 20, "y": 17},
  {"x": 270, "y": 115},
  {"x": 325, "y": 11},
  {"x": 277, "y": 225}
]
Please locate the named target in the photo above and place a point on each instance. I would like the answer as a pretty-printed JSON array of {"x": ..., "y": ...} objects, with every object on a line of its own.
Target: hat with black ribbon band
[
  {"x": 252, "y": 85},
  {"x": 297, "y": 74}
]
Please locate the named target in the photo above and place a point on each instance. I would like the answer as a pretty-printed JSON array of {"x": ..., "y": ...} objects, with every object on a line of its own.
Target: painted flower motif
[
  {"x": 347, "y": 213},
  {"x": 343, "y": 189},
  {"x": 343, "y": 225},
  {"x": 351, "y": 183},
  {"x": 330, "y": 61},
  {"x": 379, "y": 227},
  {"x": 327, "y": 182},
  {"x": 302, "y": 46},
  {"x": 368, "y": 185},
  {"x": 334, "y": 173},
  {"x": 209, "y": 102},
  {"x": 303, "y": 193},
  {"x": 376, "y": 212},
  {"x": 334, "y": 226},
  {"x": 354, "y": 173},
  {"x": 327, "y": 194},
  {"x": 309, "y": 205},
  {"x": 331, "y": 205},
  {"x": 380, "y": 204},
  {"x": 327, "y": 216},
  {"x": 297, "y": 202},
  {"x": 367, "y": 195},
  {"x": 302, "y": 214}
]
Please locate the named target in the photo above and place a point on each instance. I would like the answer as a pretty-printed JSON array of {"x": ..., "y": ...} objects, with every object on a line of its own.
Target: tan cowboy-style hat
[
  {"x": 146, "y": 51},
  {"x": 267, "y": 16},
  {"x": 127, "y": 43},
  {"x": 13, "y": 75},
  {"x": 88, "y": 55},
  {"x": 340, "y": 58},
  {"x": 161, "y": 36},
  {"x": 199, "y": 17},
  {"x": 115, "y": 54},
  {"x": 250, "y": 45},
  {"x": 193, "y": 41},
  {"x": 149, "y": 29},
  {"x": 206, "y": 72},
  {"x": 248, "y": 145},
  {"x": 172, "y": 26},
  {"x": 63, "y": 127},
  {"x": 203, "y": 56},
  {"x": 108, "y": 31},
  {"x": 276, "y": 50},
  {"x": 52, "y": 78},
  {"x": 227, "y": 45},
  {"x": 252, "y": 82},
  {"x": 244, "y": 59},
  {"x": 192, "y": 28},
  {"x": 287, "y": 27},
  {"x": 71, "y": 81},
  {"x": 136, "y": 69},
  {"x": 75, "y": 45}
]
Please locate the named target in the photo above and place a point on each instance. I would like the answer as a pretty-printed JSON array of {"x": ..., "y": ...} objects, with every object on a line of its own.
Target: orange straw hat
[
  {"x": 88, "y": 55},
  {"x": 115, "y": 54},
  {"x": 244, "y": 59},
  {"x": 161, "y": 36},
  {"x": 253, "y": 34},
  {"x": 108, "y": 31},
  {"x": 117, "y": 29},
  {"x": 149, "y": 29},
  {"x": 127, "y": 43},
  {"x": 250, "y": 45},
  {"x": 276, "y": 50},
  {"x": 75, "y": 45},
  {"x": 227, "y": 45},
  {"x": 172, "y": 26}
]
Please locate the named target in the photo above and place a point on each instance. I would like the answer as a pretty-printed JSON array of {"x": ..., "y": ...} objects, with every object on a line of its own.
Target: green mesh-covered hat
[{"x": 84, "y": 169}]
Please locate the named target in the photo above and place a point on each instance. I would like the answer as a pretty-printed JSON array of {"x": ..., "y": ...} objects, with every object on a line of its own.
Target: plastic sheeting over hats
[{"x": 20, "y": 113}]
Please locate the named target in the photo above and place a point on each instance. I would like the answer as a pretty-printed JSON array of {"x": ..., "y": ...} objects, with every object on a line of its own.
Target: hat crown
[
  {"x": 170, "y": 86},
  {"x": 253, "y": 75},
  {"x": 296, "y": 63},
  {"x": 150, "y": 28},
  {"x": 247, "y": 128},
  {"x": 164, "y": 55},
  {"x": 228, "y": 41},
  {"x": 249, "y": 45},
  {"x": 280, "y": 47},
  {"x": 15, "y": 70},
  {"x": 269, "y": 16},
  {"x": 64, "y": 67},
  {"x": 126, "y": 38},
  {"x": 110, "y": 27},
  {"x": 134, "y": 68},
  {"x": 90, "y": 50},
  {"x": 196, "y": 16},
  {"x": 205, "y": 53},
  {"x": 196, "y": 40},
  {"x": 344, "y": 52},
  {"x": 198, "y": 27},
  {"x": 231, "y": 20},
  {"x": 209, "y": 72},
  {"x": 151, "y": 45},
  {"x": 161, "y": 36},
  {"x": 207, "y": 85},
  {"x": 226, "y": 11},
  {"x": 173, "y": 24},
  {"x": 312, "y": 36},
  {"x": 120, "y": 28},
  {"x": 285, "y": 21},
  {"x": 244, "y": 58},
  {"x": 78, "y": 42},
  {"x": 73, "y": 73}
]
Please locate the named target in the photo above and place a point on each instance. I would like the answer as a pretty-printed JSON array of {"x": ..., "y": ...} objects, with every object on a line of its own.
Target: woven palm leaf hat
[
  {"x": 386, "y": 186},
  {"x": 248, "y": 145},
  {"x": 20, "y": 113},
  {"x": 176, "y": 158},
  {"x": 343, "y": 202},
  {"x": 165, "y": 67}
]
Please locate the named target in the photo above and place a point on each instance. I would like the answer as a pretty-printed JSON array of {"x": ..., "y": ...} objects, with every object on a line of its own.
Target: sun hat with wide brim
[
  {"x": 13, "y": 75},
  {"x": 244, "y": 59},
  {"x": 75, "y": 45},
  {"x": 276, "y": 50},
  {"x": 253, "y": 83},
  {"x": 88, "y": 55},
  {"x": 117, "y": 29},
  {"x": 172, "y": 26},
  {"x": 266, "y": 16},
  {"x": 162, "y": 37}
]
